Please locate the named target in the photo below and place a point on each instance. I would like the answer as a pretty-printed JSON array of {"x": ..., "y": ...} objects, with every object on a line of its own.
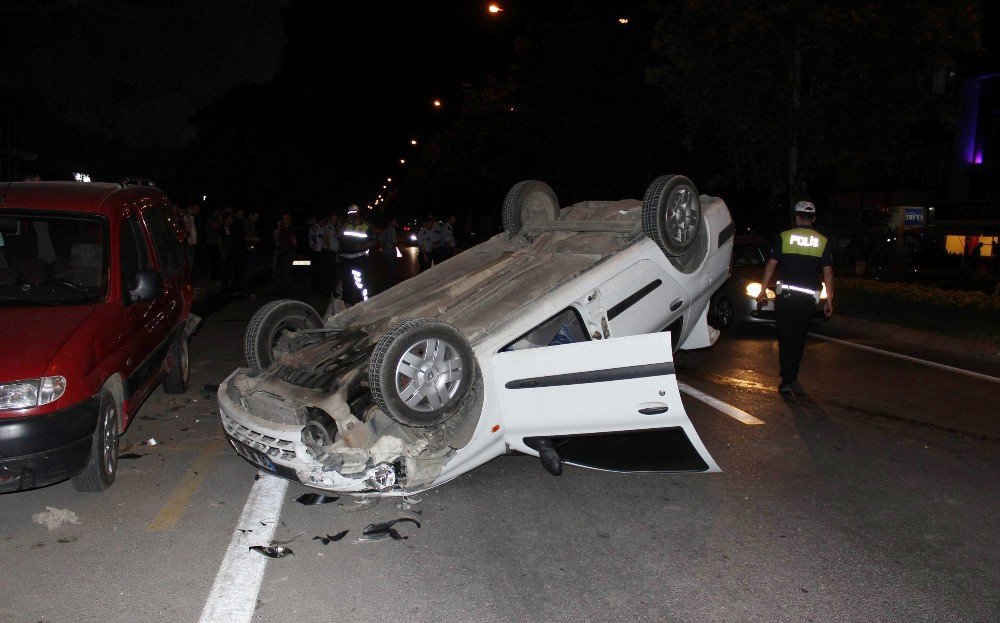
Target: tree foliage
[{"x": 775, "y": 92}]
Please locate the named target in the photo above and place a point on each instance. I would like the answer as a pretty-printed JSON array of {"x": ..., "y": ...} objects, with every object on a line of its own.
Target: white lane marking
[
  {"x": 234, "y": 595},
  {"x": 725, "y": 407},
  {"x": 933, "y": 364}
]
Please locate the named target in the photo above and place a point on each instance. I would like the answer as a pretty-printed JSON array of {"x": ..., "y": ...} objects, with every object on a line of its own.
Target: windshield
[
  {"x": 750, "y": 254},
  {"x": 51, "y": 258}
]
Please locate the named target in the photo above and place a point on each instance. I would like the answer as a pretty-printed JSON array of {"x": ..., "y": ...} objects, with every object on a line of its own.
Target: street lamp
[
  {"x": 413, "y": 141},
  {"x": 402, "y": 161},
  {"x": 495, "y": 9},
  {"x": 437, "y": 103},
  {"x": 623, "y": 20},
  {"x": 388, "y": 179}
]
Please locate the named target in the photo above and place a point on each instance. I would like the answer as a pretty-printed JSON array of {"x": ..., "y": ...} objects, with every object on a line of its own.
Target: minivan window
[
  {"x": 134, "y": 256},
  {"x": 52, "y": 258},
  {"x": 166, "y": 244}
]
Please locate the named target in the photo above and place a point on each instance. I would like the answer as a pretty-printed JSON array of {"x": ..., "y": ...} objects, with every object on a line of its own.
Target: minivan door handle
[
  {"x": 676, "y": 305},
  {"x": 652, "y": 408}
]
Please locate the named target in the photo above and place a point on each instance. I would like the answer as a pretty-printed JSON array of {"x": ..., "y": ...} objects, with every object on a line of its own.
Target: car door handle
[
  {"x": 676, "y": 305},
  {"x": 652, "y": 408}
]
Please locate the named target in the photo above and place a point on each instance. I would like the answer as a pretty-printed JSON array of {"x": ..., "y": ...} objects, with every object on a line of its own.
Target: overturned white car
[{"x": 553, "y": 339}]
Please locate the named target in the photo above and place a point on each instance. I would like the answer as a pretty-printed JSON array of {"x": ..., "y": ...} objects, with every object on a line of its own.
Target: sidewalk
[{"x": 877, "y": 330}]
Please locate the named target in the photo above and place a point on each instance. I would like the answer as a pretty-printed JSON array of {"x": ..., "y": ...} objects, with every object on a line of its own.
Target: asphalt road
[{"x": 874, "y": 497}]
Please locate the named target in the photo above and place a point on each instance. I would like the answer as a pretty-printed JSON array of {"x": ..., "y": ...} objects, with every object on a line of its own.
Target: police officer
[
  {"x": 427, "y": 243},
  {"x": 356, "y": 239},
  {"x": 799, "y": 255}
]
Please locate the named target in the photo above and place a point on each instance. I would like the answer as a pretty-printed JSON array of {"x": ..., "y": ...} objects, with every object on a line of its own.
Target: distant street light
[
  {"x": 437, "y": 103},
  {"x": 384, "y": 186},
  {"x": 402, "y": 161},
  {"x": 495, "y": 9},
  {"x": 623, "y": 20},
  {"x": 413, "y": 141},
  {"x": 388, "y": 179}
]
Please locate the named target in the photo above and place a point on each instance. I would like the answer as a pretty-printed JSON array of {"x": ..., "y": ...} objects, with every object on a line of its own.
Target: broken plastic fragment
[
  {"x": 379, "y": 531},
  {"x": 53, "y": 518},
  {"x": 272, "y": 552},
  {"x": 326, "y": 540},
  {"x": 381, "y": 477},
  {"x": 150, "y": 442},
  {"x": 311, "y": 499}
]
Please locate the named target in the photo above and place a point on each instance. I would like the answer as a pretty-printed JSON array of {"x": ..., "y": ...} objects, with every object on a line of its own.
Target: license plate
[{"x": 253, "y": 455}]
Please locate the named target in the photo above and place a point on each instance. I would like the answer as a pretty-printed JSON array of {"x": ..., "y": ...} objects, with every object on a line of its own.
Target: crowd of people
[{"x": 225, "y": 246}]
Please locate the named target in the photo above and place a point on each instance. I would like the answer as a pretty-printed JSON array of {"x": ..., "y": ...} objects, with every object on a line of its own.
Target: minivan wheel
[
  {"x": 262, "y": 345},
  {"x": 176, "y": 381},
  {"x": 421, "y": 372},
  {"x": 102, "y": 466}
]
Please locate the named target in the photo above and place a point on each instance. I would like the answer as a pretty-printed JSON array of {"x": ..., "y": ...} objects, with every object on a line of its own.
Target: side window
[
  {"x": 132, "y": 249},
  {"x": 565, "y": 327},
  {"x": 165, "y": 242}
]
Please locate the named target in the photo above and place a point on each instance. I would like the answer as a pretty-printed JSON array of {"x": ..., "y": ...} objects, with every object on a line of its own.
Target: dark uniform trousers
[{"x": 793, "y": 313}]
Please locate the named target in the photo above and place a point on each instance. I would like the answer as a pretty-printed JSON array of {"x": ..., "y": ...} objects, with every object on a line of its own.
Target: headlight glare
[
  {"x": 31, "y": 392},
  {"x": 753, "y": 289}
]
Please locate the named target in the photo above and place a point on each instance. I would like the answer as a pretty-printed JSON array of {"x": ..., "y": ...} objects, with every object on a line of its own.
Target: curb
[{"x": 951, "y": 345}]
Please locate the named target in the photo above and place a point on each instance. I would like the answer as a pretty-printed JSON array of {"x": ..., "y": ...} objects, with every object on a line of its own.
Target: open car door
[{"x": 611, "y": 404}]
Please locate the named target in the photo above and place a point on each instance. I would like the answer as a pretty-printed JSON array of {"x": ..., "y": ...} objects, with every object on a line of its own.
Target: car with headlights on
[
  {"x": 736, "y": 301},
  {"x": 95, "y": 303},
  {"x": 554, "y": 339}
]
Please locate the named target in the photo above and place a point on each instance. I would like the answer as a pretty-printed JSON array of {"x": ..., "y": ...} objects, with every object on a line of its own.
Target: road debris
[
  {"x": 330, "y": 538},
  {"x": 150, "y": 442},
  {"x": 360, "y": 504},
  {"x": 130, "y": 456},
  {"x": 312, "y": 499},
  {"x": 380, "y": 531},
  {"x": 53, "y": 518},
  {"x": 272, "y": 552}
]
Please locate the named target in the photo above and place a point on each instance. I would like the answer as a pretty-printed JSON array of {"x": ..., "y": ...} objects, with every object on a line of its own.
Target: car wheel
[
  {"x": 262, "y": 344},
  {"x": 671, "y": 213},
  {"x": 528, "y": 200},
  {"x": 725, "y": 314},
  {"x": 176, "y": 381},
  {"x": 421, "y": 372},
  {"x": 102, "y": 466}
]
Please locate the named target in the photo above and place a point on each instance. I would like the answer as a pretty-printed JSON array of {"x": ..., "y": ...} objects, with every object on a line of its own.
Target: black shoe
[
  {"x": 797, "y": 387},
  {"x": 785, "y": 388}
]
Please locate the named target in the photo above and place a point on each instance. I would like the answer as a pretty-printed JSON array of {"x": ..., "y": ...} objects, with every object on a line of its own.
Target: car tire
[
  {"x": 102, "y": 464},
  {"x": 725, "y": 314},
  {"x": 261, "y": 337},
  {"x": 401, "y": 361},
  {"x": 176, "y": 381},
  {"x": 528, "y": 200},
  {"x": 671, "y": 213}
]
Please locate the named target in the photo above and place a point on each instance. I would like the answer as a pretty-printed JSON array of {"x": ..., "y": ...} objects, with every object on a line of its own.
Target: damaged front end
[{"x": 312, "y": 418}]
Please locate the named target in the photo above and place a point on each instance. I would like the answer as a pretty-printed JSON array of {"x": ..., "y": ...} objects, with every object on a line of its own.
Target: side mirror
[{"x": 148, "y": 286}]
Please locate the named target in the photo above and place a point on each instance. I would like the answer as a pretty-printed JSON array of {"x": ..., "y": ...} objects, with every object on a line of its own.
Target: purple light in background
[{"x": 979, "y": 157}]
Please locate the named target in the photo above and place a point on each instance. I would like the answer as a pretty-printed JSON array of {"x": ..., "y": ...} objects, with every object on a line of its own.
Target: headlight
[
  {"x": 822, "y": 293},
  {"x": 32, "y": 392},
  {"x": 753, "y": 290},
  {"x": 413, "y": 237}
]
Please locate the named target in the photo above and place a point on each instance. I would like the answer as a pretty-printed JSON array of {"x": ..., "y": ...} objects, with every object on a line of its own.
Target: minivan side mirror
[{"x": 148, "y": 286}]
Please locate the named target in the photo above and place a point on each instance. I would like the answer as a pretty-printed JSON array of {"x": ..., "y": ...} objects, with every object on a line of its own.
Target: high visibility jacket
[{"x": 802, "y": 253}]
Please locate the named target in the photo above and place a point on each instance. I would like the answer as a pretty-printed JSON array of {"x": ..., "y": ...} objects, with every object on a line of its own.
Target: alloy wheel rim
[
  {"x": 428, "y": 375},
  {"x": 681, "y": 215},
  {"x": 110, "y": 439}
]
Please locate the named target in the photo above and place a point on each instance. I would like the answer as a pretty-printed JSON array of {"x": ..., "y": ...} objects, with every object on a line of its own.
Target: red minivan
[{"x": 95, "y": 303}]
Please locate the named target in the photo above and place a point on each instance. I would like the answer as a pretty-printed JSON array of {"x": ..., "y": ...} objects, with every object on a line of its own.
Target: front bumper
[
  {"x": 278, "y": 449},
  {"x": 39, "y": 450}
]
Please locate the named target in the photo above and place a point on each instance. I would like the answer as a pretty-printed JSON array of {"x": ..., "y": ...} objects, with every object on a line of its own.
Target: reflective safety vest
[
  {"x": 802, "y": 241},
  {"x": 354, "y": 237}
]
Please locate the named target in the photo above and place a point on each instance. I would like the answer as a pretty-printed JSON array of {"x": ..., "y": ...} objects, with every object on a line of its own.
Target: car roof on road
[{"x": 89, "y": 198}]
